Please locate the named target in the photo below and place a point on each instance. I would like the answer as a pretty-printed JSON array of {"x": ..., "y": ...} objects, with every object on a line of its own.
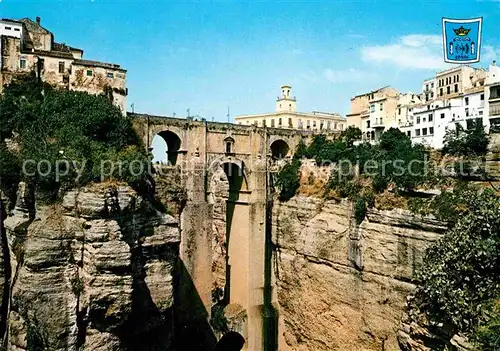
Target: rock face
[
  {"x": 342, "y": 286},
  {"x": 94, "y": 272}
]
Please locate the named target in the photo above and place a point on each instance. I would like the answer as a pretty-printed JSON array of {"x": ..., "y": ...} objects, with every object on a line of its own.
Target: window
[
  {"x": 458, "y": 78},
  {"x": 89, "y": 73},
  {"x": 456, "y": 88},
  {"x": 428, "y": 107},
  {"x": 372, "y": 108},
  {"x": 432, "y": 85},
  {"x": 482, "y": 97},
  {"x": 381, "y": 106},
  {"x": 441, "y": 91},
  {"x": 447, "y": 90},
  {"x": 424, "y": 131},
  {"x": 263, "y": 122},
  {"x": 480, "y": 113},
  {"x": 8, "y": 28},
  {"x": 110, "y": 75},
  {"x": 418, "y": 119},
  {"x": 17, "y": 30},
  {"x": 321, "y": 123},
  {"x": 408, "y": 133},
  {"x": 329, "y": 125},
  {"x": 308, "y": 124},
  {"x": 367, "y": 124},
  {"x": 22, "y": 63},
  {"x": 335, "y": 126},
  {"x": 228, "y": 147},
  {"x": 430, "y": 117},
  {"x": 399, "y": 111},
  {"x": 279, "y": 121},
  {"x": 466, "y": 101},
  {"x": 427, "y": 87},
  {"x": 290, "y": 123},
  {"x": 299, "y": 124},
  {"x": 61, "y": 67},
  {"x": 442, "y": 115},
  {"x": 417, "y": 132},
  {"x": 314, "y": 124},
  {"x": 423, "y": 119},
  {"x": 431, "y": 130},
  {"x": 466, "y": 112},
  {"x": 272, "y": 123}
]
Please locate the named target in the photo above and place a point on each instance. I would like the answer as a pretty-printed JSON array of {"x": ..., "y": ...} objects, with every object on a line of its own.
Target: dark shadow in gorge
[
  {"x": 192, "y": 328},
  {"x": 235, "y": 179}
]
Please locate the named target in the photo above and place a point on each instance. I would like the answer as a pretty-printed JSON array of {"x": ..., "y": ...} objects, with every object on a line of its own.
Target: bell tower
[{"x": 286, "y": 102}]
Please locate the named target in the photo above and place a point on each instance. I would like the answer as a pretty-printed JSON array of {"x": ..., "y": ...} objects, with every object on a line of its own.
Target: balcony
[{"x": 378, "y": 123}]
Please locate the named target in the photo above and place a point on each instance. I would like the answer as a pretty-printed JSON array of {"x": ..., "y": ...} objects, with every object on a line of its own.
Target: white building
[
  {"x": 455, "y": 96},
  {"x": 492, "y": 98},
  {"x": 287, "y": 117}
]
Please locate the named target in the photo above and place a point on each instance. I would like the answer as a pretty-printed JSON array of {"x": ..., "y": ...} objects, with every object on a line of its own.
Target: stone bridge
[{"x": 242, "y": 157}]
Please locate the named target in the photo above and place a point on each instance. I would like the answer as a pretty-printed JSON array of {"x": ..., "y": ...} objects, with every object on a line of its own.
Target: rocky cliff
[
  {"x": 341, "y": 286},
  {"x": 93, "y": 272}
]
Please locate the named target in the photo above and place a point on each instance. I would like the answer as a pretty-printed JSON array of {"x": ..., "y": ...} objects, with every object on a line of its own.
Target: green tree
[
  {"x": 460, "y": 142},
  {"x": 458, "y": 280},
  {"x": 69, "y": 129},
  {"x": 288, "y": 180},
  {"x": 351, "y": 134}
]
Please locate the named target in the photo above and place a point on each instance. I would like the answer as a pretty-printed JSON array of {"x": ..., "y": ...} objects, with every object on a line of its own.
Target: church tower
[{"x": 285, "y": 102}]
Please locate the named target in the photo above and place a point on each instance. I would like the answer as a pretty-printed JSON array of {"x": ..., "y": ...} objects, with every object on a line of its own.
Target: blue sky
[{"x": 208, "y": 55}]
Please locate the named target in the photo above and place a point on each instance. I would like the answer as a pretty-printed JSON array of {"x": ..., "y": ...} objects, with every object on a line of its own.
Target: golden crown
[{"x": 461, "y": 31}]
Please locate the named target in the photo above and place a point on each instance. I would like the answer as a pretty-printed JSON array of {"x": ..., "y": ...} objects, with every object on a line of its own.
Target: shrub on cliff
[
  {"x": 458, "y": 280},
  {"x": 288, "y": 180},
  {"x": 471, "y": 142},
  {"x": 65, "y": 136}
]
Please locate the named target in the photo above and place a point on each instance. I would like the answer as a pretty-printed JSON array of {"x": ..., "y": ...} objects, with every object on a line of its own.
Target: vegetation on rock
[
  {"x": 461, "y": 142},
  {"x": 458, "y": 281},
  {"x": 394, "y": 162},
  {"x": 65, "y": 138}
]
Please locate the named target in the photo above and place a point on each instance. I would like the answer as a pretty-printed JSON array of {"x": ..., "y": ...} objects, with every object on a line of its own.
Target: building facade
[
  {"x": 287, "y": 117},
  {"x": 26, "y": 46},
  {"x": 455, "y": 96},
  {"x": 374, "y": 112}
]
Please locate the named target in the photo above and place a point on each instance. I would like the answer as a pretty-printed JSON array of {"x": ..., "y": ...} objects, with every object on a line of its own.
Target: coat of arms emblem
[{"x": 462, "y": 40}]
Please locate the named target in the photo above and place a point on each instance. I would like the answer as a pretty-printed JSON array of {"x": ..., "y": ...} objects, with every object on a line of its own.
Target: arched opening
[
  {"x": 166, "y": 147},
  {"x": 229, "y": 145},
  {"x": 279, "y": 149}
]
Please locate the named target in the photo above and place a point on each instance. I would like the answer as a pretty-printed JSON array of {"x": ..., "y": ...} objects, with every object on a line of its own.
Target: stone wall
[
  {"x": 342, "y": 286},
  {"x": 94, "y": 272}
]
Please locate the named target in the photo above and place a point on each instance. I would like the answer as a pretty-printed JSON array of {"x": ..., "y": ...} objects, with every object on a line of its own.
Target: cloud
[
  {"x": 489, "y": 53},
  {"x": 348, "y": 75},
  {"x": 309, "y": 76},
  {"x": 417, "y": 51}
]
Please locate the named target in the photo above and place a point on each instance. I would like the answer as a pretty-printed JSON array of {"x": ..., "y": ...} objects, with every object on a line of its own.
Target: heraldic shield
[{"x": 462, "y": 40}]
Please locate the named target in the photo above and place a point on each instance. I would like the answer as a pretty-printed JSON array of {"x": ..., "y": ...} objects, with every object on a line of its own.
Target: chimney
[
  {"x": 494, "y": 63},
  {"x": 38, "y": 19}
]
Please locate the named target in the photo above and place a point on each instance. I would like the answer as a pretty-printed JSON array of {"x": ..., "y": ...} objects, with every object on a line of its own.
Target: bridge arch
[
  {"x": 279, "y": 149},
  {"x": 172, "y": 143}
]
